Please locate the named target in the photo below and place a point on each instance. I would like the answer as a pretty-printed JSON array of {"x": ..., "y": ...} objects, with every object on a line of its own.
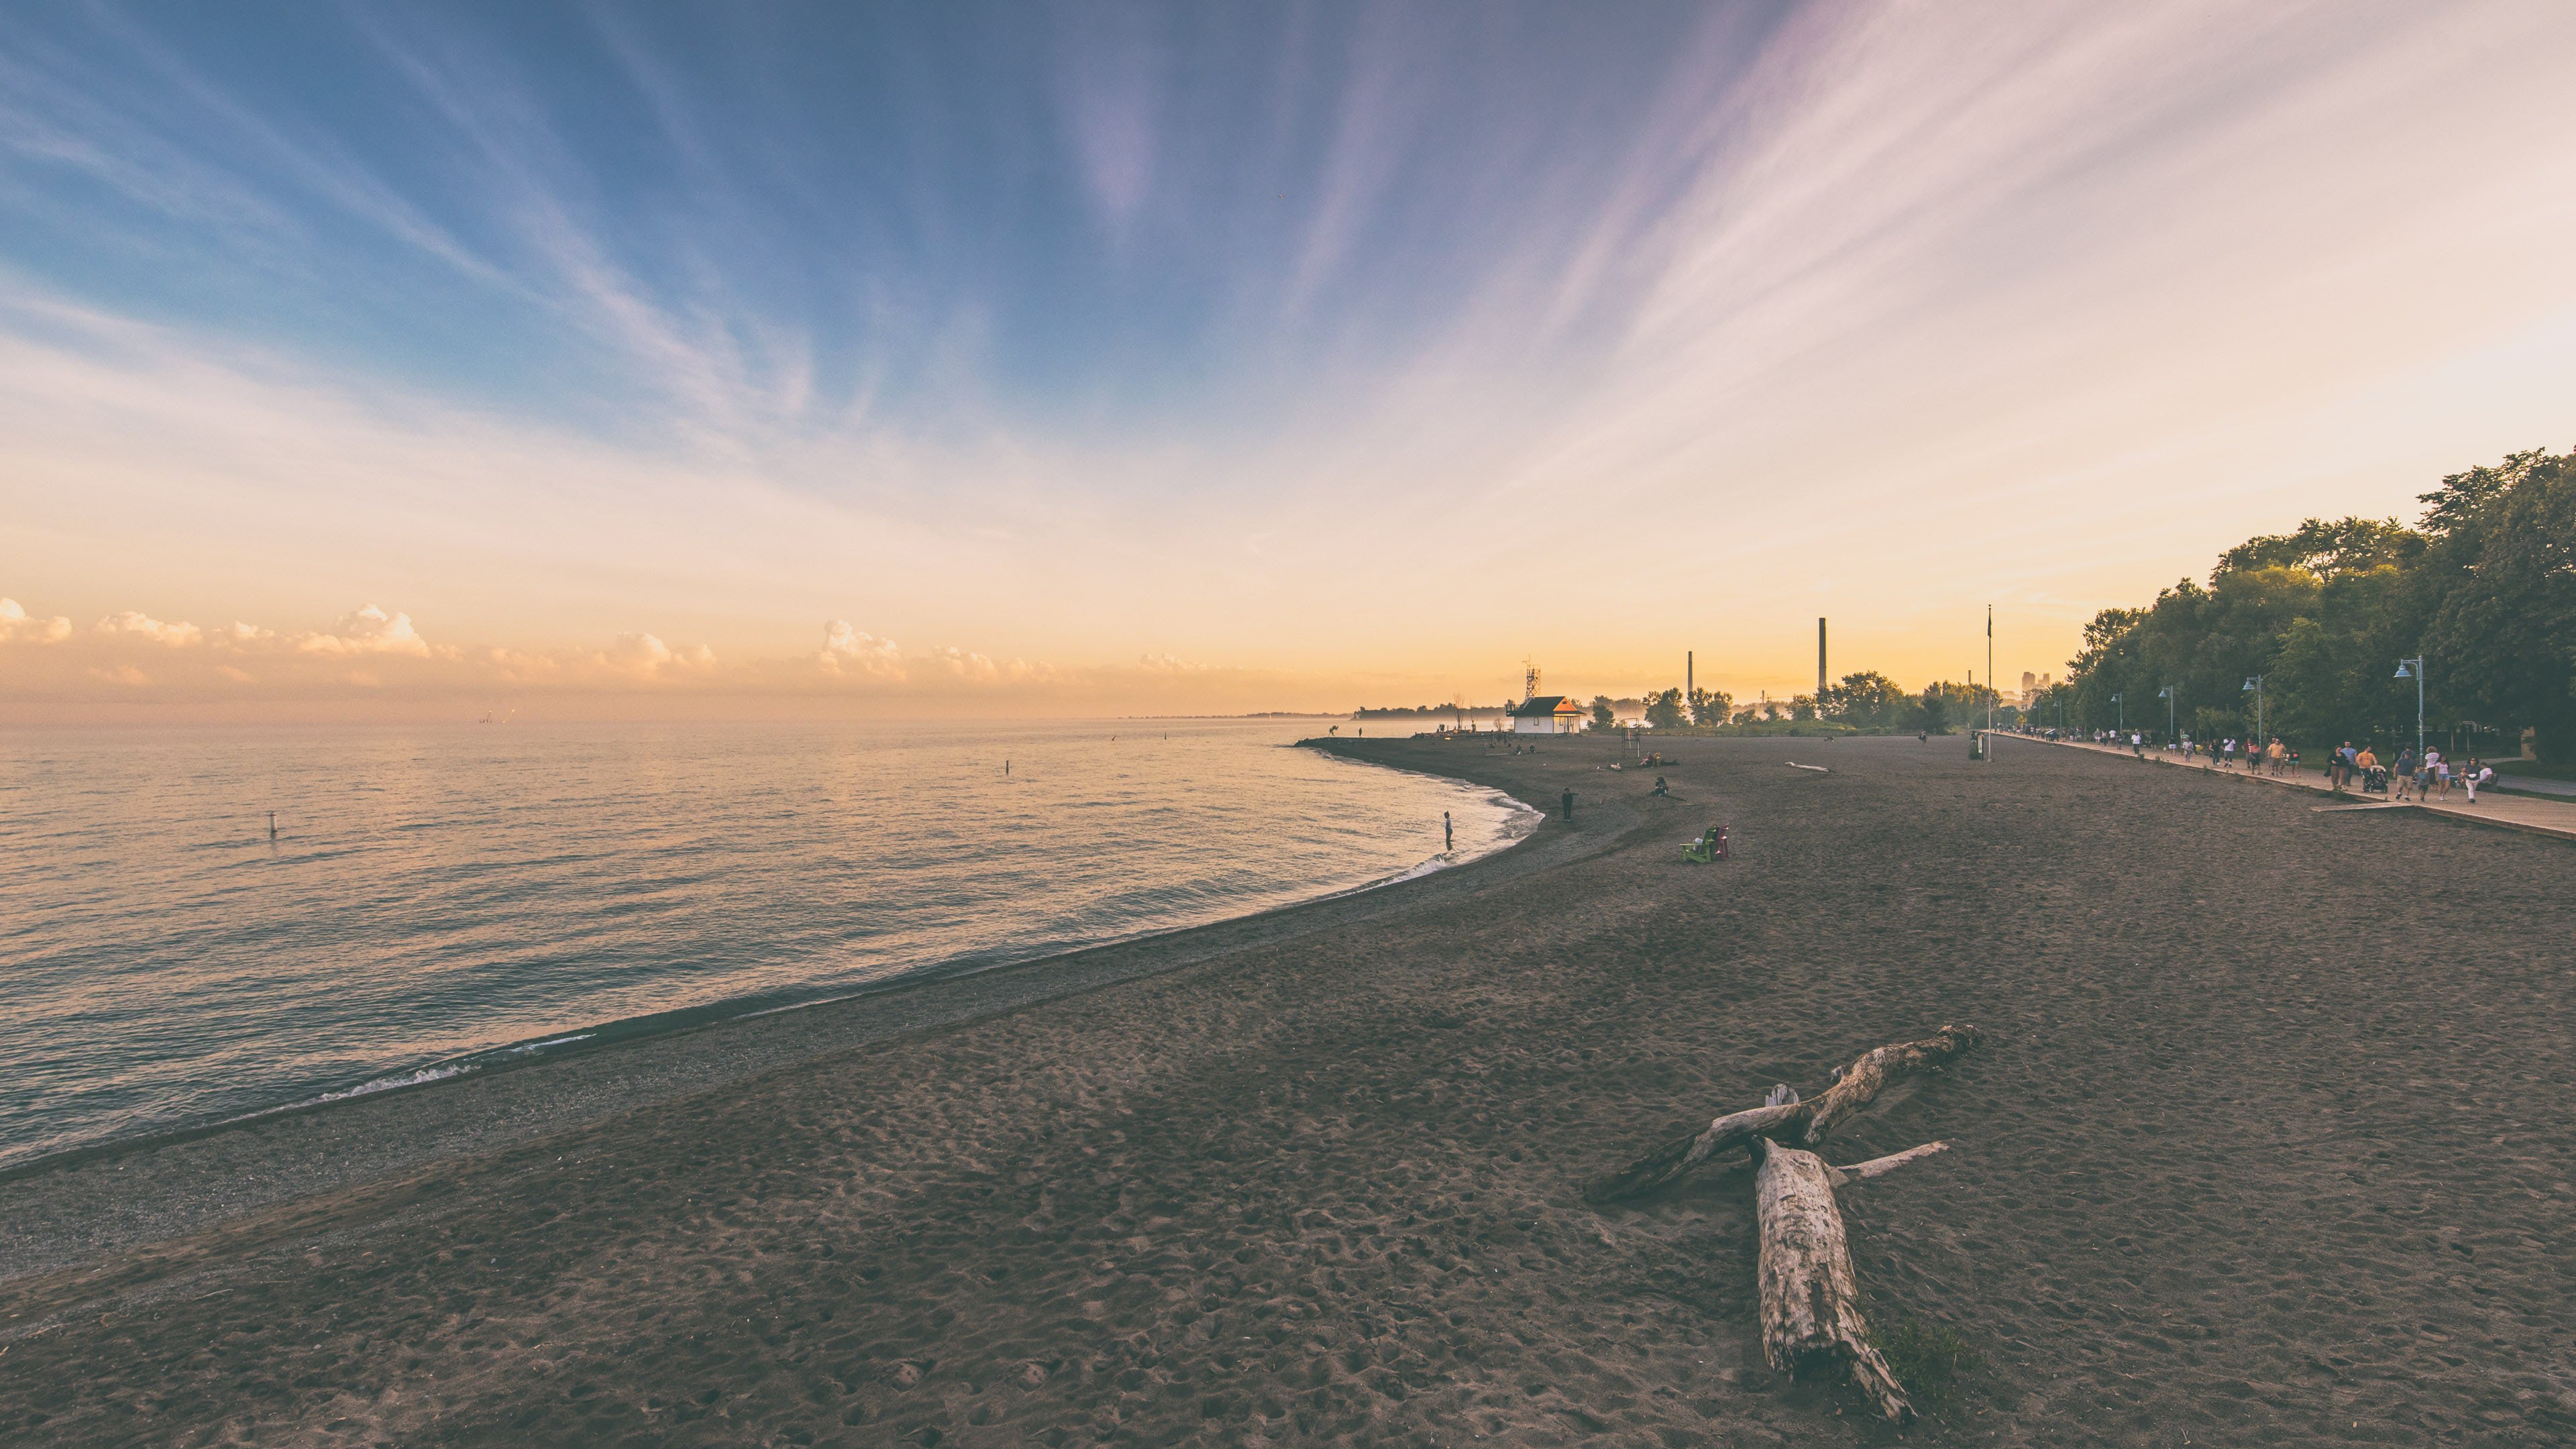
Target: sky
[{"x": 1102, "y": 359}]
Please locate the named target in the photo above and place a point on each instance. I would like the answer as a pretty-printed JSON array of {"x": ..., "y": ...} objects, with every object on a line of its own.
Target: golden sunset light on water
[{"x": 412, "y": 365}]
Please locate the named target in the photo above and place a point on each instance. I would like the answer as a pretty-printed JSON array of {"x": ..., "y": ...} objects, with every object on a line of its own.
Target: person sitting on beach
[{"x": 1660, "y": 788}]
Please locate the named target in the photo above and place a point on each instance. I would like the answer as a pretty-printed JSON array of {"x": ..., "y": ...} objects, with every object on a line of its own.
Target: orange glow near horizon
[{"x": 1878, "y": 313}]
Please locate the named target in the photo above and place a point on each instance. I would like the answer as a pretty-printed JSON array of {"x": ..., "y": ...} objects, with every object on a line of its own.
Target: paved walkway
[{"x": 2511, "y": 812}]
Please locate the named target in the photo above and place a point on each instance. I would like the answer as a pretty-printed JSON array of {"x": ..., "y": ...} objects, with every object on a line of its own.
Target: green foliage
[
  {"x": 1960, "y": 703},
  {"x": 1710, "y": 707},
  {"x": 1869, "y": 700},
  {"x": 1605, "y": 715},
  {"x": 2506, "y": 625},
  {"x": 1927, "y": 1358},
  {"x": 2485, "y": 590},
  {"x": 1664, "y": 709}
]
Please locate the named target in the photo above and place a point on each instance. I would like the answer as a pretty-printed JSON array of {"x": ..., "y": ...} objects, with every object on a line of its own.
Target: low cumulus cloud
[
  {"x": 378, "y": 653},
  {"x": 132, "y": 625},
  {"x": 370, "y": 650},
  {"x": 368, "y": 631},
  {"x": 855, "y": 651},
  {"x": 960, "y": 664},
  {"x": 16, "y": 624},
  {"x": 644, "y": 657}
]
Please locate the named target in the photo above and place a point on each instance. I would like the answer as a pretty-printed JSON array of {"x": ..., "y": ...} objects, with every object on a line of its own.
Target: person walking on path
[
  {"x": 2478, "y": 774},
  {"x": 2405, "y": 771}
]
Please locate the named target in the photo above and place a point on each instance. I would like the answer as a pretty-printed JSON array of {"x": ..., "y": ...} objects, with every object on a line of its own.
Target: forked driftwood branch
[
  {"x": 1786, "y": 1119},
  {"x": 1811, "y": 1316}
]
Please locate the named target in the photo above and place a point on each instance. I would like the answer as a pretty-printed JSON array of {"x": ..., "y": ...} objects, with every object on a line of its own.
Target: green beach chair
[{"x": 1711, "y": 846}]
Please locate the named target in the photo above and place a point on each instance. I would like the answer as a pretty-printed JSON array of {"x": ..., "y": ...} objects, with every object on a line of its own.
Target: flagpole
[{"x": 1990, "y": 684}]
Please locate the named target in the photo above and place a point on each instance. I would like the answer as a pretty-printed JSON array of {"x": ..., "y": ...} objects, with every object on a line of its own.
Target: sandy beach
[{"x": 2267, "y": 1145}]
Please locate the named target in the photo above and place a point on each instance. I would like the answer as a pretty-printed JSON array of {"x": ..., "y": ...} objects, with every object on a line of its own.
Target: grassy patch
[{"x": 1928, "y": 1359}]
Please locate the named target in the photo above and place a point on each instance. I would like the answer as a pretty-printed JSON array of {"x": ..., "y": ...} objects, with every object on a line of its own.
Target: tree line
[
  {"x": 2477, "y": 600},
  {"x": 1864, "y": 701}
]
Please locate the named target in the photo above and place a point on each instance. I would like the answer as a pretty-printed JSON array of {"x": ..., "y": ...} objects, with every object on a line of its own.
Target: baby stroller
[{"x": 2374, "y": 781}]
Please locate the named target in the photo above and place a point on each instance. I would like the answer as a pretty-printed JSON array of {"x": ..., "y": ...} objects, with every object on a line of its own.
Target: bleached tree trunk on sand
[
  {"x": 1810, "y": 1297},
  {"x": 1785, "y": 1118}
]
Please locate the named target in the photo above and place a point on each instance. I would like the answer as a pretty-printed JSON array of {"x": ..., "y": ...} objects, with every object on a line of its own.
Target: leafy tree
[
  {"x": 1664, "y": 709},
  {"x": 2484, "y": 590},
  {"x": 1709, "y": 707},
  {"x": 1605, "y": 715},
  {"x": 1933, "y": 711},
  {"x": 1869, "y": 700},
  {"x": 2507, "y": 631},
  {"x": 2325, "y": 549}
]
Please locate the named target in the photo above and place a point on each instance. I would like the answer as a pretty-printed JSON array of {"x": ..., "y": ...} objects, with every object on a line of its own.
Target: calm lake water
[{"x": 441, "y": 898}]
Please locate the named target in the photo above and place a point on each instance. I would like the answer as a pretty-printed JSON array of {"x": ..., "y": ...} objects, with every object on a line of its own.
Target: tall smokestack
[
  {"x": 1820, "y": 659},
  {"x": 1690, "y": 685}
]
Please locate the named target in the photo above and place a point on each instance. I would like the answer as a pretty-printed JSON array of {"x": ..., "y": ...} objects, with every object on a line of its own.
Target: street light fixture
[
  {"x": 2169, "y": 694},
  {"x": 2414, "y": 669},
  {"x": 2255, "y": 683},
  {"x": 2121, "y": 699}
]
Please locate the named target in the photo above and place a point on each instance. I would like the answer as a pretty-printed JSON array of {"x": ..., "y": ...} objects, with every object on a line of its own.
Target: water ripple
[{"x": 442, "y": 898}]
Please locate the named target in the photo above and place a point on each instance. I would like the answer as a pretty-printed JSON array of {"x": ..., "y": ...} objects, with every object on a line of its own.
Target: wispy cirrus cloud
[{"x": 1286, "y": 340}]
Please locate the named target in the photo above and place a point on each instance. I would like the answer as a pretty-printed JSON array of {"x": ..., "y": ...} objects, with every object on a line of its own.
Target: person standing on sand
[{"x": 1448, "y": 833}]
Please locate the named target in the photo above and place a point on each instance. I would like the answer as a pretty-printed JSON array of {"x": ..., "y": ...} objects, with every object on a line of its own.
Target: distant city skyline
[{"x": 394, "y": 361}]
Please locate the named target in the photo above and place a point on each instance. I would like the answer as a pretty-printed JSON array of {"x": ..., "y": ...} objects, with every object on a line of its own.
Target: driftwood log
[
  {"x": 1811, "y": 1317},
  {"x": 1786, "y": 1119}
]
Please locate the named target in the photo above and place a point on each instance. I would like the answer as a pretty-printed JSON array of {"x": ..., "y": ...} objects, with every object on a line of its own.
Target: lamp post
[
  {"x": 2255, "y": 683},
  {"x": 2414, "y": 669},
  {"x": 2169, "y": 694},
  {"x": 2122, "y": 700}
]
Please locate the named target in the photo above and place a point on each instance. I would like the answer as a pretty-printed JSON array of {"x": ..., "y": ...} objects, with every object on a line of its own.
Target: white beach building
[{"x": 1546, "y": 714}]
